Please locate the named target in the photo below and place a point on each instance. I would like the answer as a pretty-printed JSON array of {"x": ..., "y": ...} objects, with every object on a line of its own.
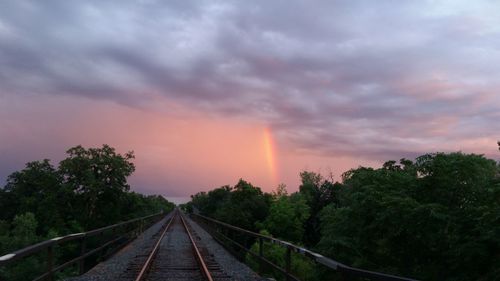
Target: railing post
[
  {"x": 83, "y": 249},
  {"x": 141, "y": 226},
  {"x": 50, "y": 262},
  {"x": 344, "y": 276},
  {"x": 102, "y": 251},
  {"x": 288, "y": 262},
  {"x": 261, "y": 255}
]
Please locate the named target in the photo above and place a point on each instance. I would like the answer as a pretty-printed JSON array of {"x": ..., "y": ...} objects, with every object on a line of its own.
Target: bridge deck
[{"x": 116, "y": 267}]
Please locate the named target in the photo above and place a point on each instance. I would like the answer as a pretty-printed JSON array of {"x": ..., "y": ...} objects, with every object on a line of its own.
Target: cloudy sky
[{"x": 207, "y": 92}]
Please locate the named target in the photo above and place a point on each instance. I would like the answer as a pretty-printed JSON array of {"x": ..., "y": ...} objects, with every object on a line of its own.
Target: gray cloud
[{"x": 369, "y": 79}]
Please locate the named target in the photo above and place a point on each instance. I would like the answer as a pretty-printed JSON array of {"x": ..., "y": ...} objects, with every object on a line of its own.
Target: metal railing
[
  {"x": 216, "y": 229},
  {"x": 130, "y": 230}
]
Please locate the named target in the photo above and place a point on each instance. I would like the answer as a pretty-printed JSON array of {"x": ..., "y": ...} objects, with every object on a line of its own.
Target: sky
[{"x": 208, "y": 92}]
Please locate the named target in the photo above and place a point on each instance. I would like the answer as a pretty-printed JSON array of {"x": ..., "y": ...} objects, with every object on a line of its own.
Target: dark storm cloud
[{"x": 384, "y": 79}]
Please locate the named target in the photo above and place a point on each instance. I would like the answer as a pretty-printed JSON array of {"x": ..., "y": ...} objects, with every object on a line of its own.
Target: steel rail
[
  {"x": 199, "y": 258},
  {"x": 153, "y": 253}
]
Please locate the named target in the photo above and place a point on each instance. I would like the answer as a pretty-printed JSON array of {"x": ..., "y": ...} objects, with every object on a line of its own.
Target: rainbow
[{"x": 269, "y": 150}]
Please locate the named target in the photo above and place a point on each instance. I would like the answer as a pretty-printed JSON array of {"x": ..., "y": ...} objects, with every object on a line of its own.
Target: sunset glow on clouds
[{"x": 208, "y": 92}]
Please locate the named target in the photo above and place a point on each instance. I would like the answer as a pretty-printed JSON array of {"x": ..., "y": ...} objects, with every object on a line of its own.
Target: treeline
[
  {"x": 87, "y": 190},
  {"x": 435, "y": 218}
]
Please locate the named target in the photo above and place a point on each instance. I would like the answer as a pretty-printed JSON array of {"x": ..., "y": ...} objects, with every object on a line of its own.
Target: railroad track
[{"x": 176, "y": 254}]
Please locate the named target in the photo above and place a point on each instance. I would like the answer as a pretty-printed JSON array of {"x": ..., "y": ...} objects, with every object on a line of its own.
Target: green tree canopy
[
  {"x": 242, "y": 205},
  {"x": 37, "y": 189},
  {"x": 436, "y": 219},
  {"x": 99, "y": 178},
  {"x": 87, "y": 190},
  {"x": 287, "y": 216},
  {"x": 317, "y": 192}
]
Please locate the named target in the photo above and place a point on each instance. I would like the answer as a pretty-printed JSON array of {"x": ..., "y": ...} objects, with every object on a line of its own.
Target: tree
[
  {"x": 245, "y": 206},
  {"x": 138, "y": 205},
  {"x": 435, "y": 219},
  {"x": 89, "y": 189},
  {"x": 98, "y": 176},
  {"x": 286, "y": 218},
  {"x": 317, "y": 192},
  {"x": 23, "y": 233},
  {"x": 37, "y": 189},
  {"x": 242, "y": 205},
  {"x": 280, "y": 191}
]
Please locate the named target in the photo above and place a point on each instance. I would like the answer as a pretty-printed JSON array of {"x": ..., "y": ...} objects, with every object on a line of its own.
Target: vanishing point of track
[{"x": 176, "y": 256}]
